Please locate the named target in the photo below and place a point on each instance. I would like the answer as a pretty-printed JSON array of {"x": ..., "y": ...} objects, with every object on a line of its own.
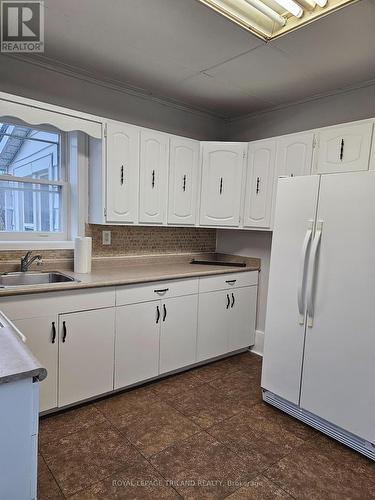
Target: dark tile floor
[{"x": 202, "y": 434}]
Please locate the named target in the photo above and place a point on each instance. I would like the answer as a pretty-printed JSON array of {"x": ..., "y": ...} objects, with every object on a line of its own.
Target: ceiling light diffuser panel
[{"x": 270, "y": 19}]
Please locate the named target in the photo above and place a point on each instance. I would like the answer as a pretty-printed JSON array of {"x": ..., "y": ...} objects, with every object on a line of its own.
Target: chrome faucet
[{"x": 27, "y": 260}]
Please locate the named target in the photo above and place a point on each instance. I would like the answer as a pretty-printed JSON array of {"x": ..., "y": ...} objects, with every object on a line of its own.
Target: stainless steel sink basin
[{"x": 30, "y": 278}]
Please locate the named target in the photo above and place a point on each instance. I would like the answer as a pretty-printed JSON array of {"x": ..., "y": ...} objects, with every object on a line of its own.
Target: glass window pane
[
  {"x": 27, "y": 152},
  {"x": 30, "y": 207}
]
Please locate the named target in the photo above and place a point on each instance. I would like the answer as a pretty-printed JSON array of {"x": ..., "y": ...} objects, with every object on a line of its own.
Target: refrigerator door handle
[
  {"x": 302, "y": 272},
  {"x": 312, "y": 272}
]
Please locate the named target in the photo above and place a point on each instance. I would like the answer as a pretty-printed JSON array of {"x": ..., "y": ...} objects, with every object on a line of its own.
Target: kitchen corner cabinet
[
  {"x": 154, "y": 149},
  {"x": 42, "y": 340},
  {"x": 344, "y": 148},
  {"x": 227, "y": 312},
  {"x": 86, "y": 354},
  {"x": 122, "y": 160},
  {"x": 222, "y": 174},
  {"x": 259, "y": 184},
  {"x": 183, "y": 181}
]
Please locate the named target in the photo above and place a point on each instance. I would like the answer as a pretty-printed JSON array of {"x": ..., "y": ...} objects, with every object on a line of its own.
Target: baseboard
[{"x": 259, "y": 341}]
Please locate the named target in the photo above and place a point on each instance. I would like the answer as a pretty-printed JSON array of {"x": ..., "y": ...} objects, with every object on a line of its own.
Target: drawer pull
[
  {"x": 64, "y": 332},
  {"x": 165, "y": 312},
  {"x": 232, "y": 301},
  {"x": 228, "y": 301},
  {"x": 161, "y": 290},
  {"x": 53, "y": 332},
  {"x": 230, "y": 282},
  {"x": 157, "y": 314}
]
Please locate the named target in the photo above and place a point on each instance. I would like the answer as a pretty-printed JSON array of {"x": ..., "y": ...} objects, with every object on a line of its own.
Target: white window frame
[{"x": 19, "y": 240}]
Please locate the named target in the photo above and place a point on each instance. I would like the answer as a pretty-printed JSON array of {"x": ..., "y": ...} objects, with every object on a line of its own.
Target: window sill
[{"x": 36, "y": 245}]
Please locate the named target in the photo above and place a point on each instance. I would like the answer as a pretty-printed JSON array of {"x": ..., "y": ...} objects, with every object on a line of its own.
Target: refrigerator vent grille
[{"x": 331, "y": 430}]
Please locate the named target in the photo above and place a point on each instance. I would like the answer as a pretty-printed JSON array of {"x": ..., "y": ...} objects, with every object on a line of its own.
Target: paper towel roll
[{"x": 82, "y": 254}]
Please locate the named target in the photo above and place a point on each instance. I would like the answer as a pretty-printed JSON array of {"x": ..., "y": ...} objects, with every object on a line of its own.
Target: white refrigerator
[{"x": 319, "y": 353}]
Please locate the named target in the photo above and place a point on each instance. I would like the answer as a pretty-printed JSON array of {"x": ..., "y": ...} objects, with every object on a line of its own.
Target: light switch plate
[{"x": 106, "y": 237}]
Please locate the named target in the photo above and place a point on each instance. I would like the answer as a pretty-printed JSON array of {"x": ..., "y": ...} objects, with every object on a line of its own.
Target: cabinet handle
[
  {"x": 228, "y": 301},
  {"x": 232, "y": 301},
  {"x": 230, "y": 282},
  {"x": 53, "y": 332},
  {"x": 161, "y": 290},
  {"x": 122, "y": 175},
  {"x": 184, "y": 184},
  {"x": 153, "y": 179},
  {"x": 164, "y": 312},
  {"x": 221, "y": 186},
  {"x": 342, "y": 149},
  {"x": 258, "y": 185},
  {"x": 64, "y": 332},
  {"x": 157, "y": 314}
]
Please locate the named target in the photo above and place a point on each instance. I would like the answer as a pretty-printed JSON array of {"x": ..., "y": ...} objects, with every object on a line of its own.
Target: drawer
[
  {"x": 227, "y": 281},
  {"x": 36, "y": 305},
  {"x": 145, "y": 292}
]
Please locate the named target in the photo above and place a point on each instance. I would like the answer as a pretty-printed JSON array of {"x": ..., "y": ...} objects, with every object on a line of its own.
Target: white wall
[
  {"x": 37, "y": 82},
  {"x": 250, "y": 244}
]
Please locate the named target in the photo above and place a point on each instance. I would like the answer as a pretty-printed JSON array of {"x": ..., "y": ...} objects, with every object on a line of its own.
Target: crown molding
[
  {"x": 49, "y": 64},
  {"x": 315, "y": 97}
]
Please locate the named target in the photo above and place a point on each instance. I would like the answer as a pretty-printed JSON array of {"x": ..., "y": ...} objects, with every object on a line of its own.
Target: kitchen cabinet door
[
  {"x": 86, "y": 354},
  {"x": 41, "y": 335},
  {"x": 241, "y": 332},
  {"x": 122, "y": 169},
  {"x": 344, "y": 149},
  {"x": 213, "y": 324},
  {"x": 222, "y": 172},
  {"x": 137, "y": 342},
  {"x": 183, "y": 181},
  {"x": 153, "y": 177},
  {"x": 294, "y": 155},
  {"x": 259, "y": 184},
  {"x": 178, "y": 337}
]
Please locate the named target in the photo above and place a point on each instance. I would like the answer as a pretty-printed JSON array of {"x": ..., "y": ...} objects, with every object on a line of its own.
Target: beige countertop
[
  {"x": 16, "y": 360},
  {"x": 141, "y": 270}
]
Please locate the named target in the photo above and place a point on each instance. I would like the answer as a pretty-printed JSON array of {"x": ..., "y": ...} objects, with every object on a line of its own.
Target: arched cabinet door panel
[
  {"x": 122, "y": 158},
  {"x": 259, "y": 184},
  {"x": 153, "y": 177},
  {"x": 183, "y": 181},
  {"x": 222, "y": 174},
  {"x": 344, "y": 149}
]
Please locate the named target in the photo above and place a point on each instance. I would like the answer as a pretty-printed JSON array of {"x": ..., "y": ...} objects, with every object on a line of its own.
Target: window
[{"x": 33, "y": 190}]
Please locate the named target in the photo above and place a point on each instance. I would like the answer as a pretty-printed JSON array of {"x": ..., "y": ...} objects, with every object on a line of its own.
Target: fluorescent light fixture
[
  {"x": 267, "y": 11},
  {"x": 269, "y": 19},
  {"x": 291, "y": 6}
]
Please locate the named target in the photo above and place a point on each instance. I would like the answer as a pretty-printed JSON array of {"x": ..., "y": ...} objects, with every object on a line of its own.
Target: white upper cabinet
[
  {"x": 122, "y": 158},
  {"x": 294, "y": 155},
  {"x": 222, "y": 172},
  {"x": 259, "y": 184},
  {"x": 153, "y": 177},
  {"x": 345, "y": 148},
  {"x": 183, "y": 181}
]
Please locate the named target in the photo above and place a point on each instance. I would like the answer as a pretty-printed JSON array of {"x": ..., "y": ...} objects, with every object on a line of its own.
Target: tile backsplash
[
  {"x": 140, "y": 240},
  {"x": 133, "y": 240}
]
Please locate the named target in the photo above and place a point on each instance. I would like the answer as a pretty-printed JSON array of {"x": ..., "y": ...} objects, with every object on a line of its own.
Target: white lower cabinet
[
  {"x": 137, "y": 343},
  {"x": 178, "y": 334},
  {"x": 241, "y": 331},
  {"x": 226, "y": 321},
  {"x": 41, "y": 335},
  {"x": 86, "y": 354}
]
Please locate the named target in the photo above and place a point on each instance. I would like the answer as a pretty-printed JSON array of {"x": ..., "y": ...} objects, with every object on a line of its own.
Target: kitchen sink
[{"x": 30, "y": 278}]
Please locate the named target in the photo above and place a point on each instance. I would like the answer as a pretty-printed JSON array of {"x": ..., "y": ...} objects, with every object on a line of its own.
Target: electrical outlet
[{"x": 106, "y": 237}]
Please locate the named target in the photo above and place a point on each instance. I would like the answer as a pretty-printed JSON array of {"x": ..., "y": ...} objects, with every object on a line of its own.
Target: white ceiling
[{"x": 182, "y": 50}]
